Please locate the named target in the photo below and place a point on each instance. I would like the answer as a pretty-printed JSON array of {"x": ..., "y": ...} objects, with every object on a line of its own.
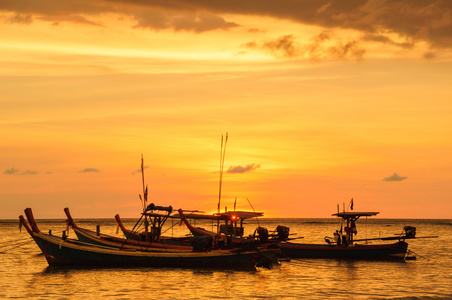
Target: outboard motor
[
  {"x": 410, "y": 231},
  {"x": 283, "y": 232},
  {"x": 262, "y": 234}
]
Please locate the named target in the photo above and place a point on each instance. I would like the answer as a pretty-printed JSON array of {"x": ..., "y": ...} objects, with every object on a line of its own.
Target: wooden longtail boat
[
  {"x": 343, "y": 250},
  {"x": 61, "y": 251},
  {"x": 97, "y": 238}
]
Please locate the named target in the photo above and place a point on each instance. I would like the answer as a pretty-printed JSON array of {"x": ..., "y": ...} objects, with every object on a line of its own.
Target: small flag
[{"x": 351, "y": 204}]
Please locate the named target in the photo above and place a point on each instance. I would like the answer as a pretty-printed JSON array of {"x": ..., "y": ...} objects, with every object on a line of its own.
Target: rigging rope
[
  {"x": 18, "y": 245},
  {"x": 169, "y": 228},
  {"x": 8, "y": 243}
]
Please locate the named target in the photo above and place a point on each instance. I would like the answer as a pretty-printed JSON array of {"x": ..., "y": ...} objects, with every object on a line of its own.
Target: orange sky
[{"x": 324, "y": 101}]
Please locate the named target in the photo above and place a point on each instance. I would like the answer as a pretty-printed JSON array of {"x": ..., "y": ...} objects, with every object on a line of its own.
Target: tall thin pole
[
  {"x": 222, "y": 155},
  {"x": 221, "y": 175},
  {"x": 145, "y": 196}
]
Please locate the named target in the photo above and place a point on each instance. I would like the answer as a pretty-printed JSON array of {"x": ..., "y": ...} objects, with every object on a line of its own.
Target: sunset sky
[{"x": 323, "y": 101}]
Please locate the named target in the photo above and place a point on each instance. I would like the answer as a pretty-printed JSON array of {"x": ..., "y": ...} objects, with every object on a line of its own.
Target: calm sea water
[{"x": 24, "y": 272}]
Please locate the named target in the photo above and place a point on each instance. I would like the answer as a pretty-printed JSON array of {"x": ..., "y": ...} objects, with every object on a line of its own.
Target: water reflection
[{"x": 24, "y": 272}]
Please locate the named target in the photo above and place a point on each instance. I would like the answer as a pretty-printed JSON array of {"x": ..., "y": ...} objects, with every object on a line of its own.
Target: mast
[{"x": 222, "y": 155}]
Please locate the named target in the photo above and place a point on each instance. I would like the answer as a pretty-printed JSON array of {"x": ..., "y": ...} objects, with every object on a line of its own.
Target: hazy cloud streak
[
  {"x": 14, "y": 171},
  {"x": 90, "y": 170},
  {"x": 199, "y": 22},
  {"x": 394, "y": 177},
  {"x": 11, "y": 171},
  {"x": 241, "y": 169},
  {"x": 30, "y": 172}
]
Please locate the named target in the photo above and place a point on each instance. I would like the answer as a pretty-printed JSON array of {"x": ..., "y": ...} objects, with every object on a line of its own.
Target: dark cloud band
[{"x": 429, "y": 20}]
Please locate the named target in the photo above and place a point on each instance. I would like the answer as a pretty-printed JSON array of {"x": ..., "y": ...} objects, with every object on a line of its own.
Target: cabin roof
[
  {"x": 151, "y": 214},
  {"x": 188, "y": 216},
  {"x": 352, "y": 214},
  {"x": 198, "y": 216},
  {"x": 224, "y": 215},
  {"x": 241, "y": 214}
]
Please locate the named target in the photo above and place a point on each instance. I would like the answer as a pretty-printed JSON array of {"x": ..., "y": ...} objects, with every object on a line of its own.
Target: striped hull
[
  {"x": 68, "y": 253},
  {"x": 90, "y": 237},
  {"x": 394, "y": 251}
]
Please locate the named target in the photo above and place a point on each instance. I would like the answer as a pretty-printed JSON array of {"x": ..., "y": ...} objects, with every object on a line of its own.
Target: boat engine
[
  {"x": 283, "y": 232},
  {"x": 410, "y": 231},
  {"x": 262, "y": 234}
]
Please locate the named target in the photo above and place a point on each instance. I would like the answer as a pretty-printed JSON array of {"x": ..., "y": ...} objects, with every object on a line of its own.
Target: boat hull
[
  {"x": 60, "y": 251},
  {"x": 70, "y": 253},
  {"x": 394, "y": 251}
]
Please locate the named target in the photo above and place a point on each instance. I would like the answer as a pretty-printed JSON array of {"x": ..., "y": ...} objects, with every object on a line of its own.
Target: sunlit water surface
[{"x": 24, "y": 272}]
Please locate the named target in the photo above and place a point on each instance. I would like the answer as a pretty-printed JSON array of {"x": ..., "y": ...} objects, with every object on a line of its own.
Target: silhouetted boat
[
  {"x": 342, "y": 248},
  {"x": 61, "y": 251}
]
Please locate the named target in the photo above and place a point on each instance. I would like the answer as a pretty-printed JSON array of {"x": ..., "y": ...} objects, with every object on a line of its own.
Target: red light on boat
[{"x": 233, "y": 218}]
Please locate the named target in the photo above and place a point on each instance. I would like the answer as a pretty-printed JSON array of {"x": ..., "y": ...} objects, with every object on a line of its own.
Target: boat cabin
[
  {"x": 154, "y": 219},
  {"x": 350, "y": 219},
  {"x": 234, "y": 221}
]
